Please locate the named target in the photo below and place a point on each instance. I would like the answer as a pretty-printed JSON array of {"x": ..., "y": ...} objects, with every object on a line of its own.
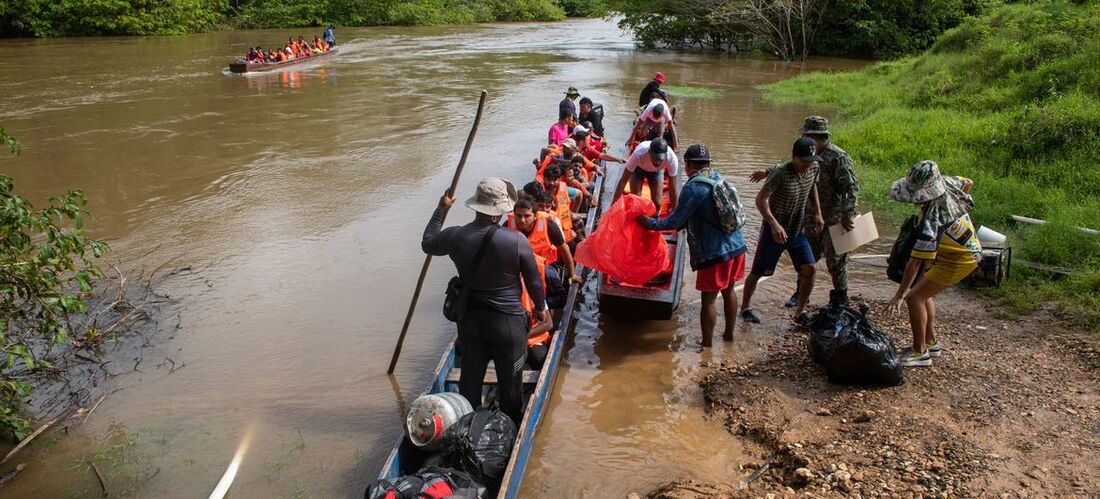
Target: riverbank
[
  {"x": 1010, "y": 407},
  {"x": 1008, "y": 100},
  {"x": 47, "y": 19}
]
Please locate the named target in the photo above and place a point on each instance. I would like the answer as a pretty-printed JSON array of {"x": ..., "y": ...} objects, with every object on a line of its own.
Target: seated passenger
[
  {"x": 577, "y": 188},
  {"x": 560, "y": 131},
  {"x": 538, "y": 336},
  {"x": 592, "y": 151},
  {"x": 546, "y": 238},
  {"x": 559, "y": 191}
]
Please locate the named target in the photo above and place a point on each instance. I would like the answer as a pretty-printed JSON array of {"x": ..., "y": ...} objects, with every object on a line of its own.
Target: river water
[{"x": 296, "y": 200}]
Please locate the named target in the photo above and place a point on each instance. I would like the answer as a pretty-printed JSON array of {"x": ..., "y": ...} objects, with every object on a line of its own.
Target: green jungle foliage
[
  {"x": 863, "y": 28},
  {"x": 276, "y": 13},
  {"x": 890, "y": 28},
  {"x": 52, "y": 18},
  {"x": 1011, "y": 100},
  {"x": 47, "y": 270}
]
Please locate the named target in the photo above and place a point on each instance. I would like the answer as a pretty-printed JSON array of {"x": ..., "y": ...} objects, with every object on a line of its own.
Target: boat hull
[
  {"x": 240, "y": 67},
  {"x": 656, "y": 301},
  {"x": 405, "y": 458}
]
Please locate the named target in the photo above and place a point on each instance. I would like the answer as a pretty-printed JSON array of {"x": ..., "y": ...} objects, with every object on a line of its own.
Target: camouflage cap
[
  {"x": 923, "y": 184},
  {"x": 815, "y": 125}
]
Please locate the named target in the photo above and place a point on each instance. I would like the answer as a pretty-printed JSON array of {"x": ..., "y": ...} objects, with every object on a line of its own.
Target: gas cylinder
[{"x": 430, "y": 415}]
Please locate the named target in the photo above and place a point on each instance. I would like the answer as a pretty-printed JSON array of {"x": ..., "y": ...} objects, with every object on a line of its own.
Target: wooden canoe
[
  {"x": 240, "y": 66},
  {"x": 659, "y": 298},
  {"x": 405, "y": 458}
]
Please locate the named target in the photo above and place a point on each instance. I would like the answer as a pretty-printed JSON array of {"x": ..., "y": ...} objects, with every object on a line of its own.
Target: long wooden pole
[{"x": 428, "y": 258}]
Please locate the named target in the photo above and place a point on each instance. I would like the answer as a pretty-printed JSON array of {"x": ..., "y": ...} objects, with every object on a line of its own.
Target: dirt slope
[{"x": 1010, "y": 410}]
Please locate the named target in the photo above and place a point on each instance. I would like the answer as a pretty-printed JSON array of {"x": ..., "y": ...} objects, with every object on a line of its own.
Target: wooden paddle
[{"x": 428, "y": 258}]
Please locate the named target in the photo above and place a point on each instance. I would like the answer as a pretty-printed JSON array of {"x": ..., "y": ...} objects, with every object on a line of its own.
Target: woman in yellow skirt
[{"x": 947, "y": 249}]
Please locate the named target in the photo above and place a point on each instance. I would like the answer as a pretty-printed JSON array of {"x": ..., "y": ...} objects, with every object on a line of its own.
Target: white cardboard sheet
[{"x": 846, "y": 241}]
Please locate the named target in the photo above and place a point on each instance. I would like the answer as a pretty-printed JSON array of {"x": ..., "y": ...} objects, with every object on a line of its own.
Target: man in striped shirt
[{"x": 783, "y": 203}]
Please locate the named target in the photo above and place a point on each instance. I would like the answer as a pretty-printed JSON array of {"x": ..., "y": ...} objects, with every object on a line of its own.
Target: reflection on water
[
  {"x": 297, "y": 199},
  {"x": 290, "y": 78}
]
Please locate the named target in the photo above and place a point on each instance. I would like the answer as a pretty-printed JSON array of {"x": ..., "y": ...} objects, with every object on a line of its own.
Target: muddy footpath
[{"x": 1010, "y": 410}]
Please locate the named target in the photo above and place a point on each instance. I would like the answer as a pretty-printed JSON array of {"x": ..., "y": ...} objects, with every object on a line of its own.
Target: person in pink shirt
[{"x": 560, "y": 131}]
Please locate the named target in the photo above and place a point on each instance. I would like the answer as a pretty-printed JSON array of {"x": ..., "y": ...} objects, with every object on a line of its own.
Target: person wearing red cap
[{"x": 652, "y": 87}]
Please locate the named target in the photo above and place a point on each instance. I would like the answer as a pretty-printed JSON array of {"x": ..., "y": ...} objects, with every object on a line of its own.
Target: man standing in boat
[
  {"x": 652, "y": 88},
  {"x": 715, "y": 241},
  {"x": 330, "y": 36},
  {"x": 650, "y": 162},
  {"x": 568, "y": 104},
  {"x": 495, "y": 325}
]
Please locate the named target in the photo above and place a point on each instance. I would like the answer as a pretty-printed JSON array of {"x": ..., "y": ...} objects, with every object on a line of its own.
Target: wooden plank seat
[{"x": 529, "y": 377}]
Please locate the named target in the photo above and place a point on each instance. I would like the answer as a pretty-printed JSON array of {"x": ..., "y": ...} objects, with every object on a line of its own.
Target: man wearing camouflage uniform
[{"x": 838, "y": 190}]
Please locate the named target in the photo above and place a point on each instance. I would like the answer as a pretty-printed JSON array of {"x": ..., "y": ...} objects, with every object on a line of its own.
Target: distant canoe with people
[{"x": 241, "y": 66}]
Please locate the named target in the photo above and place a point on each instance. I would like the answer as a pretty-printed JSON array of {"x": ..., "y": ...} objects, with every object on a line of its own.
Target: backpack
[
  {"x": 730, "y": 212},
  {"x": 903, "y": 247}
]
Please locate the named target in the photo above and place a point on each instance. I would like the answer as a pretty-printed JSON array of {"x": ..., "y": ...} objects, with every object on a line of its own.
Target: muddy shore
[{"x": 1009, "y": 410}]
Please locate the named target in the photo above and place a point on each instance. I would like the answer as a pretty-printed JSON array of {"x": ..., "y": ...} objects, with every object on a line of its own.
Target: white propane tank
[{"x": 430, "y": 415}]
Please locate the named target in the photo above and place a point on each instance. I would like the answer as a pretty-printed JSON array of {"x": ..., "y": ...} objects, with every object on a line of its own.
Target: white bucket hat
[{"x": 494, "y": 197}]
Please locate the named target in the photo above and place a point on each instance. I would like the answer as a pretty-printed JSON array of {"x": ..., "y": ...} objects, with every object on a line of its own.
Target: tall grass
[{"x": 1012, "y": 100}]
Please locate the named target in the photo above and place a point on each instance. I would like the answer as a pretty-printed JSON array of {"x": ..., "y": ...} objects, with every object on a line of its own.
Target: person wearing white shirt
[
  {"x": 649, "y": 163},
  {"x": 653, "y": 122}
]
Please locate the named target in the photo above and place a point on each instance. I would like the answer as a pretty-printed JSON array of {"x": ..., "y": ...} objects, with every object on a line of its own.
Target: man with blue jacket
[{"x": 717, "y": 256}]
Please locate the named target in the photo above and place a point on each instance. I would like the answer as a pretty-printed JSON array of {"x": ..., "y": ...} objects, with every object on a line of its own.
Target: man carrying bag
[{"x": 485, "y": 300}]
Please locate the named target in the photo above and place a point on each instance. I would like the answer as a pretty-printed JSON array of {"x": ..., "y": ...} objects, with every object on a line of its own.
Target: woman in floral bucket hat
[{"x": 946, "y": 247}]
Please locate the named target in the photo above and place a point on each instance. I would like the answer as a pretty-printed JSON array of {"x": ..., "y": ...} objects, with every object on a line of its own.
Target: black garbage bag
[
  {"x": 431, "y": 482},
  {"x": 824, "y": 327},
  {"x": 480, "y": 443},
  {"x": 864, "y": 355}
]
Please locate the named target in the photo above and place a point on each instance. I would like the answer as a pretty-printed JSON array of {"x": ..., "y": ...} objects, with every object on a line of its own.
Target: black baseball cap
[
  {"x": 805, "y": 149},
  {"x": 698, "y": 153},
  {"x": 658, "y": 148}
]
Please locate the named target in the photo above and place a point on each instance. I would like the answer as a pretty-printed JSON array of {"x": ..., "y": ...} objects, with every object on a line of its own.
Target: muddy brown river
[{"x": 297, "y": 199}]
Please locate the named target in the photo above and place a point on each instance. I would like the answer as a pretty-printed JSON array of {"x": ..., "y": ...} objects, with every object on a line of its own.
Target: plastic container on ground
[{"x": 430, "y": 415}]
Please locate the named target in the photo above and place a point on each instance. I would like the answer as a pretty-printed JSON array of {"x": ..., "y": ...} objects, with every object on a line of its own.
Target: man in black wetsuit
[{"x": 495, "y": 325}]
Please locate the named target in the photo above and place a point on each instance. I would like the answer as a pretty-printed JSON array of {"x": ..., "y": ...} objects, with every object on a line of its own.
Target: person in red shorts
[{"x": 715, "y": 242}]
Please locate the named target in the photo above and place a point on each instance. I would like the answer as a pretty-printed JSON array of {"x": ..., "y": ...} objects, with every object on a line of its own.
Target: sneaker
[
  {"x": 935, "y": 350},
  {"x": 748, "y": 315},
  {"x": 913, "y": 358},
  {"x": 803, "y": 319},
  {"x": 792, "y": 301}
]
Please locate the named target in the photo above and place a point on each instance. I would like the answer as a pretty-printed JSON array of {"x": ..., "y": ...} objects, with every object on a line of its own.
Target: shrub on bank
[
  {"x": 281, "y": 14},
  {"x": 1009, "y": 99},
  {"x": 51, "y": 18}
]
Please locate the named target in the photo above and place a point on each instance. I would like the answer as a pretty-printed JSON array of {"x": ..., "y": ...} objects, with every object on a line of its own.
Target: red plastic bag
[{"x": 622, "y": 248}]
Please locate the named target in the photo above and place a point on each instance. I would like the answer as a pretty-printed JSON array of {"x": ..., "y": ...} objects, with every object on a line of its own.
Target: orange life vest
[
  {"x": 529, "y": 305},
  {"x": 552, "y": 153},
  {"x": 561, "y": 197},
  {"x": 539, "y": 236}
]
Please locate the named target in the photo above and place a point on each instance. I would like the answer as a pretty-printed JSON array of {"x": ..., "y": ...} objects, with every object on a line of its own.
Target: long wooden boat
[
  {"x": 657, "y": 299},
  {"x": 405, "y": 458},
  {"x": 240, "y": 66}
]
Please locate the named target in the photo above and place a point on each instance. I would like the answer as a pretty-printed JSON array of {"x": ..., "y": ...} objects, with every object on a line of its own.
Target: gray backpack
[{"x": 730, "y": 213}]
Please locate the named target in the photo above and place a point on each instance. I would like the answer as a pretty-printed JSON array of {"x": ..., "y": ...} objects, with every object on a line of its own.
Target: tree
[
  {"x": 785, "y": 28},
  {"x": 47, "y": 270}
]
